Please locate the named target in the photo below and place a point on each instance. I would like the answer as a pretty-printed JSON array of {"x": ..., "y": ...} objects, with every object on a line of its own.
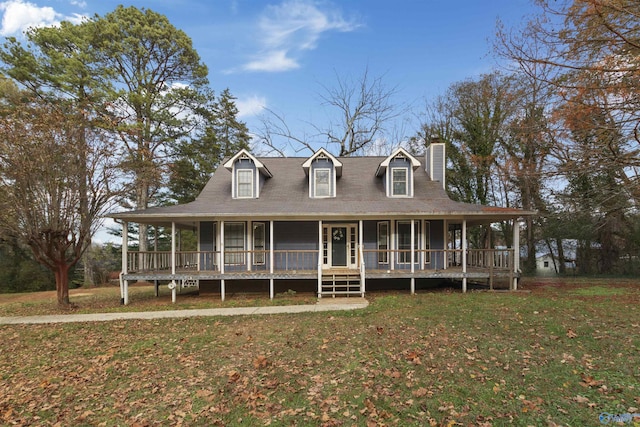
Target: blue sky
[{"x": 278, "y": 54}]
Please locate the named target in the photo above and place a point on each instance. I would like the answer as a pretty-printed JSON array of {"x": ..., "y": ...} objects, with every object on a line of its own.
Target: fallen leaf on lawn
[
  {"x": 421, "y": 392},
  {"x": 589, "y": 381},
  {"x": 260, "y": 362},
  {"x": 581, "y": 399}
]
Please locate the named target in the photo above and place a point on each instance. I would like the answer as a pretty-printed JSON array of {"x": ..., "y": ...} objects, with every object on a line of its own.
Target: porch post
[
  {"x": 464, "y": 255},
  {"x": 271, "y": 259},
  {"x": 361, "y": 252},
  {"x": 516, "y": 252},
  {"x": 320, "y": 255},
  {"x": 249, "y": 244},
  {"x": 173, "y": 260},
  {"x": 413, "y": 255},
  {"x": 124, "y": 284},
  {"x": 222, "y": 259},
  {"x": 392, "y": 243}
]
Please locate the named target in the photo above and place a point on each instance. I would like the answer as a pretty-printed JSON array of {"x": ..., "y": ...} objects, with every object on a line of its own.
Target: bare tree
[
  {"x": 42, "y": 171},
  {"x": 360, "y": 111}
]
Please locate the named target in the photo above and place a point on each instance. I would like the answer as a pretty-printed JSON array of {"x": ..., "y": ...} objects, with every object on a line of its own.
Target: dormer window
[
  {"x": 399, "y": 181},
  {"x": 323, "y": 170},
  {"x": 322, "y": 187},
  {"x": 397, "y": 173},
  {"x": 244, "y": 183},
  {"x": 247, "y": 175}
]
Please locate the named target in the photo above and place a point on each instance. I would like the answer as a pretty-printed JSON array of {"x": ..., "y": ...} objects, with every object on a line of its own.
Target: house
[
  {"x": 335, "y": 221},
  {"x": 548, "y": 262}
]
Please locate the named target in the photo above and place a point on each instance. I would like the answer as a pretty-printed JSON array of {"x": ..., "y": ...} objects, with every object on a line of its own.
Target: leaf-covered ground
[{"x": 557, "y": 355}]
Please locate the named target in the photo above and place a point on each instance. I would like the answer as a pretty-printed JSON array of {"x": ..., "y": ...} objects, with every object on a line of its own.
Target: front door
[{"x": 338, "y": 246}]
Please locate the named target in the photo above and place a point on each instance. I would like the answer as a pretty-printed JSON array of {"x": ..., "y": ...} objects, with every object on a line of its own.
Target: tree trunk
[
  {"x": 62, "y": 284},
  {"x": 142, "y": 202},
  {"x": 530, "y": 264}
]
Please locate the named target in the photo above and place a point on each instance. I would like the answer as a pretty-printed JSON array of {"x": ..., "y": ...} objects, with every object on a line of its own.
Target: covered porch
[{"x": 339, "y": 255}]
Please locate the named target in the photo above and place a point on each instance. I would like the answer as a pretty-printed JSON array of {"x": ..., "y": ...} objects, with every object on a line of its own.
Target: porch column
[
  {"x": 320, "y": 255},
  {"x": 222, "y": 259},
  {"x": 173, "y": 260},
  {"x": 249, "y": 244},
  {"x": 392, "y": 243},
  {"x": 361, "y": 253},
  {"x": 413, "y": 255},
  {"x": 124, "y": 284},
  {"x": 271, "y": 257},
  {"x": 516, "y": 253},
  {"x": 464, "y": 255}
]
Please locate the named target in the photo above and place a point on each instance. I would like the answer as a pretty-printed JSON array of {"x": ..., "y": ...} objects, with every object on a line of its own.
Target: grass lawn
[{"x": 560, "y": 354}]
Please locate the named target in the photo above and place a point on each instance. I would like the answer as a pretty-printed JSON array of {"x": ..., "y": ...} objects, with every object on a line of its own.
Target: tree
[
  {"x": 157, "y": 82},
  {"x": 219, "y": 135},
  {"x": 43, "y": 184},
  {"x": 591, "y": 51},
  {"x": 472, "y": 118},
  {"x": 360, "y": 111},
  {"x": 60, "y": 66},
  {"x": 589, "y": 45}
]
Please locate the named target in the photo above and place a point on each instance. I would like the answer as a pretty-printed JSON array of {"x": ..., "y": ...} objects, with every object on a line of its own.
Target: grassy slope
[{"x": 561, "y": 354}]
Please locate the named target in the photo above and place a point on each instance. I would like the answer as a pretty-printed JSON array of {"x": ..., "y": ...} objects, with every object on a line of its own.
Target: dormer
[
  {"x": 397, "y": 173},
  {"x": 247, "y": 175},
  {"x": 323, "y": 170}
]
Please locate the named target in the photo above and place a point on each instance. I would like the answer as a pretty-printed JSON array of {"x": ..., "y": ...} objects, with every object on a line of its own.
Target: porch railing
[
  {"x": 307, "y": 260},
  {"x": 437, "y": 259},
  {"x": 259, "y": 260}
]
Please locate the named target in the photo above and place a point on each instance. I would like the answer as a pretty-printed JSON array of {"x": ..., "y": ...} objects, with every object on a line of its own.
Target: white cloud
[
  {"x": 250, "y": 106},
  {"x": 79, "y": 3},
  {"x": 19, "y": 16},
  {"x": 291, "y": 27},
  {"x": 275, "y": 60}
]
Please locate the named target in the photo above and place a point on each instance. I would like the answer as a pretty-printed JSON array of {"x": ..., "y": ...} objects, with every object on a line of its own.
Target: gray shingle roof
[{"x": 359, "y": 194}]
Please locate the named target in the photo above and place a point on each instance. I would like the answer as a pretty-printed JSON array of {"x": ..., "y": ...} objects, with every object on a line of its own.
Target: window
[
  {"x": 546, "y": 264},
  {"x": 258, "y": 243},
  {"x": 234, "y": 243},
  {"x": 383, "y": 242},
  {"x": 244, "y": 183},
  {"x": 404, "y": 241},
  {"x": 322, "y": 183},
  {"x": 325, "y": 245},
  {"x": 354, "y": 245},
  {"x": 399, "y": 182}
]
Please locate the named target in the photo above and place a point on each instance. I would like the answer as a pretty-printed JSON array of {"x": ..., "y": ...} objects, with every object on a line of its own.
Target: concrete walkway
[{"x": 326, "y": 304}]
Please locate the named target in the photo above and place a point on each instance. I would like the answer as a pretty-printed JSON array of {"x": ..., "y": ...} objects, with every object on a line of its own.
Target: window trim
[
  {"x": 404, "y": 258},
  {"x": 237, "y": 255},
  {"x": 315, "y": 183},
  {"x": 251, "y": 184},
  {"x": 427, "y": 241},
  {"x": 259, "y": 258},
  {"x": 392, "y": 189},
  {"x": 383, "y": 257}
]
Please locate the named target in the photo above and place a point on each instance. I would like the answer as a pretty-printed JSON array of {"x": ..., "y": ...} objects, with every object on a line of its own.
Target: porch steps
[{"x": 340, "y": 283}]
